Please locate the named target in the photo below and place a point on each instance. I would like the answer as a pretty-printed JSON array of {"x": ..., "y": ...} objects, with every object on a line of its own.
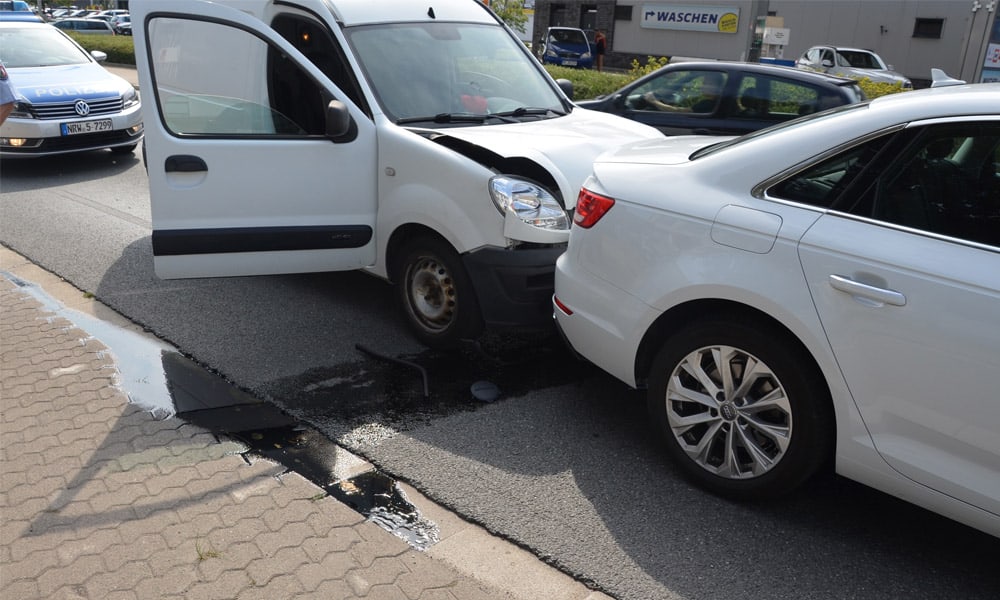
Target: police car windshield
[
  {"x": 38, "y": 47},
  {"x": 424, "y": 69}
]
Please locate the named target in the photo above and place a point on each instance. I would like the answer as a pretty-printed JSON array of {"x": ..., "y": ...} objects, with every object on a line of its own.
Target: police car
[{"x": 66, "y": 101}]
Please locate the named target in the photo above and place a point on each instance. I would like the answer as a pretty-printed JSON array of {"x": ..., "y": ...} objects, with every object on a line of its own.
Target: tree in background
[{"x": 510, "y": 12}]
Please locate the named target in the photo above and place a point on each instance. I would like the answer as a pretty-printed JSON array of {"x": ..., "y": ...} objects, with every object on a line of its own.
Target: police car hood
[
  {"x": 67, "y": 83},
  {"x": 565, "y": 145}
]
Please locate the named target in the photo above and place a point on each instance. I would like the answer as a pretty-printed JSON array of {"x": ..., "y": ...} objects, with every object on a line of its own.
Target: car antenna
[{"x": 430, "y": 12}]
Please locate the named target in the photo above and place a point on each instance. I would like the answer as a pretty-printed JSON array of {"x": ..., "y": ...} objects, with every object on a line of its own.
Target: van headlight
[{"x": 529, "y": 201}]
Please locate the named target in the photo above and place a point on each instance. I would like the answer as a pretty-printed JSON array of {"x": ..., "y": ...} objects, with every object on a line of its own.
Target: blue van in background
[{"x": 567, "y": 47}]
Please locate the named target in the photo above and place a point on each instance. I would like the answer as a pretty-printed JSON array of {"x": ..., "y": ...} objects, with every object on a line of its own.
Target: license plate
[
  {"x": 87, "y": 127},
  {"x": 569, "y": 63}
]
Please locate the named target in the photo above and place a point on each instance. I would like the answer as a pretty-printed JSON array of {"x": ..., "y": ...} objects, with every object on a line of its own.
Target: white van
[{"x": 420, "y": 141}]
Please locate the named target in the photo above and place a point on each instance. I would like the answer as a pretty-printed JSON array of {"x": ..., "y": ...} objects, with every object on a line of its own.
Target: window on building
[
  {"x": 623, "y": 13},
  {"x": 928, "y": 28},
  {"x": 588, "y": 19},
  {"x": 558, "y": 16}
]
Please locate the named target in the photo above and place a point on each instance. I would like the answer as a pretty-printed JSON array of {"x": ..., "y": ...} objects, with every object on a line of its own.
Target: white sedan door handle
[{"x": 863, "y": 291}]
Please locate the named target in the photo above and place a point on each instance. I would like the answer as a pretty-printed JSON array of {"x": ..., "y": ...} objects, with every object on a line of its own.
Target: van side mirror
[
  {"x": 339, "y": 124},
  {"x": 566, "y": 86}
]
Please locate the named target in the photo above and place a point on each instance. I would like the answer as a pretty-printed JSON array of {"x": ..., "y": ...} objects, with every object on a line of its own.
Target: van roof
[{"x": 362, "y": 12}]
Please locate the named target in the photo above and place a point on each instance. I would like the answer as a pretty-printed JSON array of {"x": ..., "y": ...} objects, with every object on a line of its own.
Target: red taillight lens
[
  {"x": 590, "y": 207},
  {"x": 561, "y": 306}
]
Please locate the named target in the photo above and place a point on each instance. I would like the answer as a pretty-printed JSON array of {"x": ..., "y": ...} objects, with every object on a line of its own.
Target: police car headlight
[
  {"x": 130, "y": 98},
  {"x": 585, "y": 55},
  {"x": 529, "y": 201},
  {"x": 22, "y": 110}
]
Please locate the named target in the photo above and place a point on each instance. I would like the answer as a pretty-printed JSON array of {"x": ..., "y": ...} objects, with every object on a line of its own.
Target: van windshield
[{"x": 447, "y": 72}]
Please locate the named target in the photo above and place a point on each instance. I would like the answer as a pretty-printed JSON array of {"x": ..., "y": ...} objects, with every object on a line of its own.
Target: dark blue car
[
  {"x": 567, "y": 47},
  {"x": 725, "y": 98}
]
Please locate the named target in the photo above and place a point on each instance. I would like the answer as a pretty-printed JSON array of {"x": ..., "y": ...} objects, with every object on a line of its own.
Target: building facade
[{"x": 961, "y": 37}]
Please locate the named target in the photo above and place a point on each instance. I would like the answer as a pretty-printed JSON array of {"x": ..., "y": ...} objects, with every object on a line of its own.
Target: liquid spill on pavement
[
  {"x": 159, "y": 379},
  {"x": 359, "y": 402}
]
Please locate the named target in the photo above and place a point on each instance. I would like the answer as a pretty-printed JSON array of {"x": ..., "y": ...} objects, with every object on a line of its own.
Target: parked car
[
  {"x": 66, "y": 101},
  {"x": 824, "y": 289},
  {"x": 567, "y": 47},
  {"x": 17, "y": 10},
  {"x": 122, "y": 24},
  {"x": 425, "y": 146},
  {"x": 20, "y": 15},
  {"x": 106, "y": 18},
  {"x": 725, "y": 98},
  {"x": 856, "y": 63},
  {"x": 113, "y": 12},
  {"x": 86, "y": 26}
]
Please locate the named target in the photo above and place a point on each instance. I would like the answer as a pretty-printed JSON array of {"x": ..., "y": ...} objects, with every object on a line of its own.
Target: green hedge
[
  {"x": 587, "y": 83},
  {"x": 591, "y": 84},
  {"x": 119, "y": 48}
]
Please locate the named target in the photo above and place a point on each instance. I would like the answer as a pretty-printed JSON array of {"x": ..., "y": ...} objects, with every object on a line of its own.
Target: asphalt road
[{"x": 563, "y": 463}]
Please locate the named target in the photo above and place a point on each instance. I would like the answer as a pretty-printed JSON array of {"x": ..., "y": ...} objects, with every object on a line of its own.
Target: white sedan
[{"x": 824, "y": 289}]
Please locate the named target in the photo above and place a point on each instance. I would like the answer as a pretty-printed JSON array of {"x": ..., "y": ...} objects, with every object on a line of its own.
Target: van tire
[{"x": 436, "y": 293}]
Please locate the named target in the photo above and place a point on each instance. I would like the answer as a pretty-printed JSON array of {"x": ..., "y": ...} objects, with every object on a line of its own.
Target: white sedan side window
[{"x": 946, "y": 182}]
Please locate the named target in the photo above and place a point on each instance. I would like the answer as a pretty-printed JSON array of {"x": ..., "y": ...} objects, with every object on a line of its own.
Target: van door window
[
  {"x": 314, "y": 41},
  {"x": 205, "y": 92}
]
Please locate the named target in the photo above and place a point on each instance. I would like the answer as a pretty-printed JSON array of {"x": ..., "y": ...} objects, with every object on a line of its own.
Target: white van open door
[{"x": 257, "y": 162}]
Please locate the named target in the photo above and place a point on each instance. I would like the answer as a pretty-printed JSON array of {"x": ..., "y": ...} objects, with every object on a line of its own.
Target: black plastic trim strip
[{"x": 177, "y": 242}]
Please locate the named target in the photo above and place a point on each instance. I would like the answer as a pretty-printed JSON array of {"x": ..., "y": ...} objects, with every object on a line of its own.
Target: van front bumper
[{"x": 514, "y": 286}]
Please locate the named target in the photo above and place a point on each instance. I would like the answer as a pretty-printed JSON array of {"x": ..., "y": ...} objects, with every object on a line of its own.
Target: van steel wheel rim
[
  {"x": 432, "y": 294},
  {"x": 729, "y": 412}
]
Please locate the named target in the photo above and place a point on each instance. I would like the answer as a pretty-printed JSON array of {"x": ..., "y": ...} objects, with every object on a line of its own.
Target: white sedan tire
[{"x": 742, "y": 408}]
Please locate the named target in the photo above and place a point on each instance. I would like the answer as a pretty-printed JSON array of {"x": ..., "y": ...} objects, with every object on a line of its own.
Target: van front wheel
[{"x": 436, "y": 294}]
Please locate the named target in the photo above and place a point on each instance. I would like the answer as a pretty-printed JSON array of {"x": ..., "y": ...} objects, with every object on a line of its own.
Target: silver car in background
[{"x": 856, "y": 63}]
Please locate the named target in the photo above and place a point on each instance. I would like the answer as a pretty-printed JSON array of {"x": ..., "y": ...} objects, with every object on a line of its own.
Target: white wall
[
  {"x": 885, "y": 26},
  {"x": 631, "y": 37}
]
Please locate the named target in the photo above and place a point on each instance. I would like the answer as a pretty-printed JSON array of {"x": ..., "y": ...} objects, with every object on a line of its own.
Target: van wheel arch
[{"x": 434, "y": 291}]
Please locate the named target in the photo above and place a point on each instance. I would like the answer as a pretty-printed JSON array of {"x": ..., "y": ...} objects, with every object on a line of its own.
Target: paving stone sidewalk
[{"x": 99, "y": 499}]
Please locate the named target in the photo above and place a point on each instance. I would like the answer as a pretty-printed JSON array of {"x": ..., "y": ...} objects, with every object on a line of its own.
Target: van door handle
[
  {"x": 865, "y": 292},
  {"x": 184, "y": 163}
]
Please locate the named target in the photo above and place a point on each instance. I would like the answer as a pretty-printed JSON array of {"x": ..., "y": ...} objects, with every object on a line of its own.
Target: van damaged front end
[
  {"x": 537, "y": 169},
  {"x": 531, "y": 212}
]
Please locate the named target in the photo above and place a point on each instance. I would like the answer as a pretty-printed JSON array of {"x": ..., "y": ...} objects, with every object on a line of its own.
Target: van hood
[
  {"x": 566, "y": 146},
  {"x": 67, "y": 83}
]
